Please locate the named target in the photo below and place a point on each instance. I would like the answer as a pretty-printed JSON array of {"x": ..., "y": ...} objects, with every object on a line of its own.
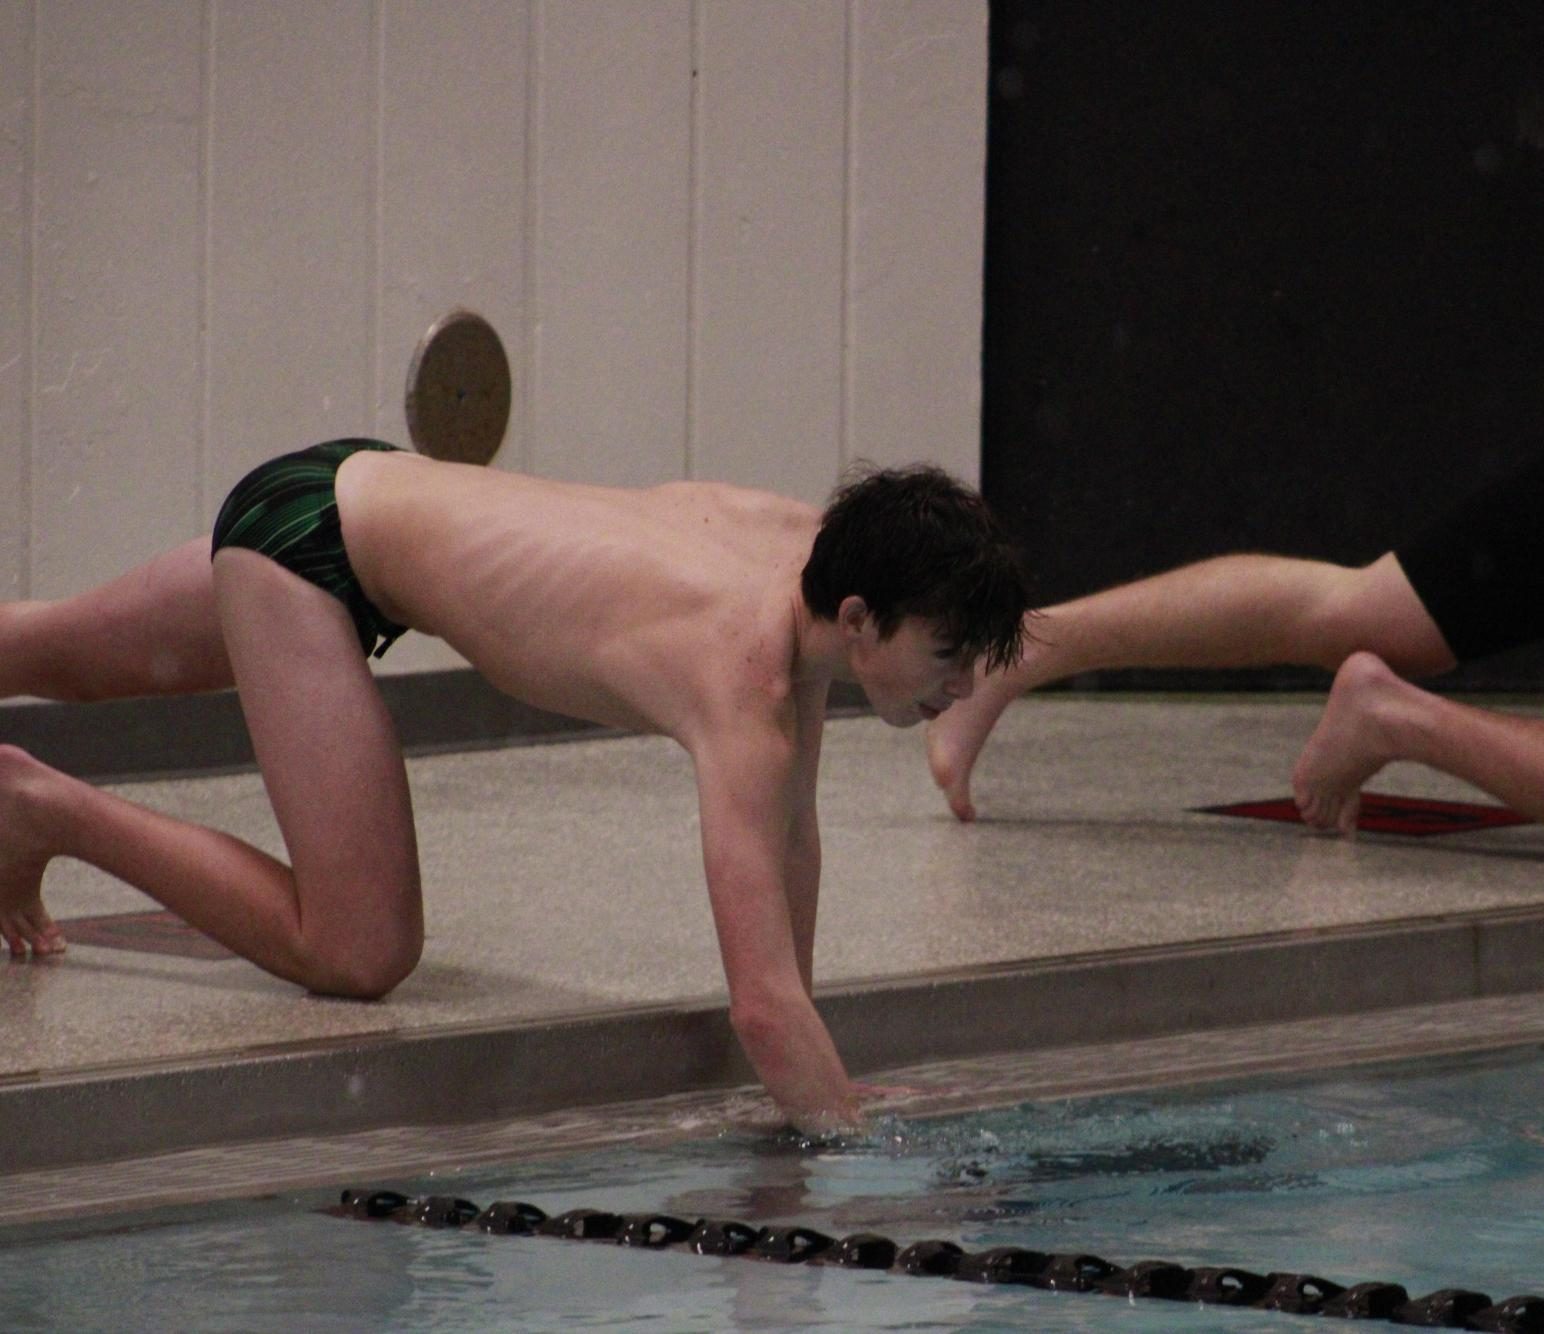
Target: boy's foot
[
  {"x": 1351, "y": 743},
  {"x": 24, "y": 923}
]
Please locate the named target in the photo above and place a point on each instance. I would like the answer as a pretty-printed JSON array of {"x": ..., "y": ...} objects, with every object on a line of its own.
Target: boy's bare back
[{"x": 632, "y": 608}]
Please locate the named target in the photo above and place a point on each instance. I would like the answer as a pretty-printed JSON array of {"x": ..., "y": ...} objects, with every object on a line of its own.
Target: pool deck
[{"x": 1093, "y": 929}]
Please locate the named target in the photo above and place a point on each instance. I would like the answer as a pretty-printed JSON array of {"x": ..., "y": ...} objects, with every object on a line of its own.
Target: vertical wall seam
[
  {"x": 210, "y": 181},
  {"x": 375, "y": 353},
  {"x": 849, "y": 197},
  {"x": 693, "y": 240},
  {"x": 32, "y": 136},
  {"x": 530, "y": 332},
  {"x": 984, "y": 125},
  {"x": 203, "y": 261}
]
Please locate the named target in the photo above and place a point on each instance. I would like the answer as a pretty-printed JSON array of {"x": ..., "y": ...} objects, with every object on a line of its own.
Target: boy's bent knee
[{"x": 365, "y": 973}]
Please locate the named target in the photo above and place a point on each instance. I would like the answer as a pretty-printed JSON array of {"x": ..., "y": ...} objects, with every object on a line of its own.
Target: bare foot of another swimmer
[
  {"x": 954, "y": 740},
  {"x": 24, "y": 923},
  {"x": 1351, "y": 743}
]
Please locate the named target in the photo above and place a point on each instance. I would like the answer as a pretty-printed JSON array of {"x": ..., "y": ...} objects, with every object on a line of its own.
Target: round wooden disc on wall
[{"x": 458, "y": 390}]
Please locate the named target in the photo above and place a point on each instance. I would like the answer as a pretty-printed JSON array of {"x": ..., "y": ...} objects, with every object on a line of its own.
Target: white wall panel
[
  {"x": 612, "y": 216},
  {"x": 452, "y": 217},
  {"x": 292, "y": 229},
  {"x": 918, "y": 163},
  {"x": 15, "y": 289},
  {"x": 452, "y": 184},
  {"x": 767, "y": 282},
  {"x": 225, "y": 224},
  {"x": 117, "y": 268}
]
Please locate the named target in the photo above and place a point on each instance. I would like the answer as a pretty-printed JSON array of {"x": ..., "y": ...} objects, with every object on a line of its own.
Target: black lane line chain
[{"x": 1297, "y": 1294}]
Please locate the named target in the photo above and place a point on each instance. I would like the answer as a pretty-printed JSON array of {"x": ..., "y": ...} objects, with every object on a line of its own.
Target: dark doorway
[{"x": 1261, "y": 276}]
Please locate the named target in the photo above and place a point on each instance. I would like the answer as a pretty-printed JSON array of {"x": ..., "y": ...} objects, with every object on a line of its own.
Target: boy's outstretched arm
[{"x": 753, "y": 800}]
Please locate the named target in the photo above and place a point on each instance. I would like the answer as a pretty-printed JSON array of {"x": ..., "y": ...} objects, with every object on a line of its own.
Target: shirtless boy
[
  {"x": 714, "y": 615},
  {"x": 1471, "y": 585}
]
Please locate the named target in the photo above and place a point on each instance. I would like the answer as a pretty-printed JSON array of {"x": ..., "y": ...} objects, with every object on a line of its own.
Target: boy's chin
[{"x": 904, "y": 715}]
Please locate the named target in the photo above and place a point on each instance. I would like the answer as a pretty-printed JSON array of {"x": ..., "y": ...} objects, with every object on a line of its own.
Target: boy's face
[{"x": 911, "y": 677}]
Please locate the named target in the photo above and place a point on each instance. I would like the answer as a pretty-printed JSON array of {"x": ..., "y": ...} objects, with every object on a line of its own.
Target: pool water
[{"x": 1431, "y": 1176}]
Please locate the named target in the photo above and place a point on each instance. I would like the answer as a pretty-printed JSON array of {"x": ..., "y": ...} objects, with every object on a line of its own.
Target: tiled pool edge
[
  {"x": 399, "y": 1155},
  {"x": 456, "y": 1076}
]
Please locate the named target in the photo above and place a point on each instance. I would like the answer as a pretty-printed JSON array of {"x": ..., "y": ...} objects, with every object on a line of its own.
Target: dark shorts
[
  {"x": 1479, "y": 571},
  {"x": 287, "y": 509}
]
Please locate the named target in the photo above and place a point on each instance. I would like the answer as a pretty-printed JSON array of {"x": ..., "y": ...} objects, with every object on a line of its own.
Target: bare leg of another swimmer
[
  {"x": 153, "y": 631},
  {"x": 1374, "y": 717},
  {"x": 1233, "y": 611}
]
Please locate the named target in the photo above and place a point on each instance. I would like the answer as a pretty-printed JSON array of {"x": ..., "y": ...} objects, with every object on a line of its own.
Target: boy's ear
[{"x": 852, "y": 615}]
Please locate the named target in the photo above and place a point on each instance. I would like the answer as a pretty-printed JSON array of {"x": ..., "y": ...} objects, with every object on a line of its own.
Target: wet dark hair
[{"x": 915, "y": 541}]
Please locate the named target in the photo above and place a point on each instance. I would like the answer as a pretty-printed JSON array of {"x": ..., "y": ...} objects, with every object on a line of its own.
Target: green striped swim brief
[{"x": 287, "y": 509}]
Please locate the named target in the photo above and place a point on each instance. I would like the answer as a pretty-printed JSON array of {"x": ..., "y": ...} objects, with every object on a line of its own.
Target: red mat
[
  {"x": 155, "y": 932},
  {"x": 1415, "y": 816}
]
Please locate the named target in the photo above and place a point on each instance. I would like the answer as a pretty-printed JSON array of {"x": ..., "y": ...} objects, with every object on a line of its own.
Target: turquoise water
[{"x": 1430, "y": 1176}]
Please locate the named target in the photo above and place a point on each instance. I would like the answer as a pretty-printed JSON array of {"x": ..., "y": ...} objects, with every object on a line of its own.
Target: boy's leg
[
  {"x": 153, "y": 631},
  {"x": 1233, "y": 611},
  {"x": 346, "y": 918},
  {"x": 1374, "y": 717}
]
